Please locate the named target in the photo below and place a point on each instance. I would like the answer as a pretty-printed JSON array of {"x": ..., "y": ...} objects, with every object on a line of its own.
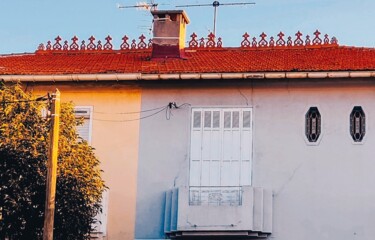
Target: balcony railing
[
  {"x": 215, "y": 196},
  {"x": 244, "y": 212}
]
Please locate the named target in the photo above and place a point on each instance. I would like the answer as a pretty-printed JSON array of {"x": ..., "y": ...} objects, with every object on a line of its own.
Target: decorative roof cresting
[
  {"x": 94, "y": 46},
  {"x": 209, "y": 42},
  {"x": 249, "y": 42}
]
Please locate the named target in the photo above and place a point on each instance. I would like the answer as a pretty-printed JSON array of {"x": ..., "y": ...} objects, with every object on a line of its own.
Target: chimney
[{"x": 169, "y": 33}]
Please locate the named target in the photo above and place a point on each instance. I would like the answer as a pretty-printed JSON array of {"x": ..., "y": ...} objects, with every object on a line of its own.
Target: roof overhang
[{"x": 185, "y": 76}]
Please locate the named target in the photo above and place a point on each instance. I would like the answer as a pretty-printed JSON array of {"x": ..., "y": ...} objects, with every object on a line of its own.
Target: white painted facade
[{"x": 321, "y": 190}]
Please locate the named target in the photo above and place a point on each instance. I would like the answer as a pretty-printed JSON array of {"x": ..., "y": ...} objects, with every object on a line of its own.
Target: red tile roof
[{"x": 206, "y": 60}]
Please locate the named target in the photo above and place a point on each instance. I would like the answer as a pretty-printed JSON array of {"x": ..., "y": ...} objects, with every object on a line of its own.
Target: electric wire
[
  {"x": 131, "y": 120},
  {"x": 123, "y": 113},
  {"x": 168, "y": 113}
]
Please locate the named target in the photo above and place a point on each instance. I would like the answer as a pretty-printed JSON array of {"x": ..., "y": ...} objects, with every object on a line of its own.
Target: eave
[{"x": 185, "y": 76}]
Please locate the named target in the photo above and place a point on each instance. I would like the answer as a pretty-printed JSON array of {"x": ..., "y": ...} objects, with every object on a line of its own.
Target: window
[
  {"x": 357, "y": 124},
  {"x": 220, "y": 155},
  {"x": 84, "y": 130},
  {"x": 313, "y": 124}
]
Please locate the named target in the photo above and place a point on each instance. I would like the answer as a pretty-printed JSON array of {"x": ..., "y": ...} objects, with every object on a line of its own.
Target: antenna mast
[{"x": 216, "y": 4}]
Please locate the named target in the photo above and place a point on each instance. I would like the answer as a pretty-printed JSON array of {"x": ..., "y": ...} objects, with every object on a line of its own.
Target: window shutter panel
[
  {"x": 100, "y": 227},
  {"x": 246, "y": 149},
  {"x": 196, "y": 149},
  {"x": 84, "y": 130}
]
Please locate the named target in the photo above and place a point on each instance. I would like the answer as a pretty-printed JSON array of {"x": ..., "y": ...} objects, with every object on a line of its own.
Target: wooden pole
[{"x": 49, "y": 212}]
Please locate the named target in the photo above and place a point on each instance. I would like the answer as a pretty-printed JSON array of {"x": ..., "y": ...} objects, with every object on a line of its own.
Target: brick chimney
[{"x": 169, "y": 33}]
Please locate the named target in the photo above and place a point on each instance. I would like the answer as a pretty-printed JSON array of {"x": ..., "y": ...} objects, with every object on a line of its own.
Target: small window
[
  {"x": 197, "y": 119},
  {"x": 207, "y": 119},
  {"x": 216, "y": 119},
  {"x": 227, "y": 119},
  {"x": 313, "y": 124},
  {"x": 357, "y": 124},
  {"x": 84, "y": 130},
  {"x": 246, "y": 119},
  {"x": 236, "y": 119}
]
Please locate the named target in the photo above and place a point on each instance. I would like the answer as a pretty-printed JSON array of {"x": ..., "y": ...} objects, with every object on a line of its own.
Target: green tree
[{"x": 24, "y": 141}]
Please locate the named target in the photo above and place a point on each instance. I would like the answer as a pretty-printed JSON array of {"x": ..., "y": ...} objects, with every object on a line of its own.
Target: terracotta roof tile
[{"x": 231, "y": 60}]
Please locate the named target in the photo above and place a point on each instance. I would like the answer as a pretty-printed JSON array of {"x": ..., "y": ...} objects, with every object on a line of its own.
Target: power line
[
  {"x": 130, "y": 120},
  {"x": 122, "y": 113},
  {"x": 168, "y": 113}
]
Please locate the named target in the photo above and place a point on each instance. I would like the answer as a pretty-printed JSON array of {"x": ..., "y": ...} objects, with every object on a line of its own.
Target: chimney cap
[{"x": 182, "y": 12}]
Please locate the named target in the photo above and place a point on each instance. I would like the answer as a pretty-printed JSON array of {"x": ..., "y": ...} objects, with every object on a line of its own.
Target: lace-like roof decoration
[
  {"x": 288, "y": 42},
  {"x": 92, "y": 46},
  {"x": 210, "y": 42}
]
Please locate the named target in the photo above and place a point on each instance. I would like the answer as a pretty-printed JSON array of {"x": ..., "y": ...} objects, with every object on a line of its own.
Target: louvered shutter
[
  {"x": 221, "y": 147},
  {"x": 100, "y": 227},
  {"x": 84, "y": 130}
]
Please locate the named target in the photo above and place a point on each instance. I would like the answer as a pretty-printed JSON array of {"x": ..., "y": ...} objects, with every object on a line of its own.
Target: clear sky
[{"x": 26, "y": 23}]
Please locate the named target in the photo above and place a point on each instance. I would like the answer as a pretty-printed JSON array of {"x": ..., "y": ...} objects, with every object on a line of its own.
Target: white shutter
[
  {"x": 221, "y": 147},
  {"x": 84, "y": 130},
  {"x": 196, "y": 149},
  {"x": 215, "y": 150},
  {"x": 100, "y": 227},
  {"x": 246, "y": 148}
]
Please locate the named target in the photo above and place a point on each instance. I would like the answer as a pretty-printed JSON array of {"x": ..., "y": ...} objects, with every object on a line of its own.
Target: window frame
[
  {"x": 90, "y": 108},
  {"x": 249, "y": 128},
  {"x": 322, "y": 126},
  {"x": 364, "y": 139}
]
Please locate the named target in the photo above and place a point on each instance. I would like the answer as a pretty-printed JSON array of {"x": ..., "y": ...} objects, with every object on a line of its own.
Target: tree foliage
[{"x": 24, "y": 142}]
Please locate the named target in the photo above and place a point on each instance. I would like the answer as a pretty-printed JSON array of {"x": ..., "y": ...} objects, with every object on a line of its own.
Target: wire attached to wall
[
  {"x": 124, "y": 113},
  {"x": 130, "y": 120},
  {"x": 168, "y": 113}
]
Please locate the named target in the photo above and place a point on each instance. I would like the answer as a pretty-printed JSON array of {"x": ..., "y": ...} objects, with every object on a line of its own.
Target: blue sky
[{"x": 26, "y": 23}]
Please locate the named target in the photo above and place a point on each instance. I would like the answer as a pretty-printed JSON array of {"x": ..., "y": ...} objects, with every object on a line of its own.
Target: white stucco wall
[{"x": 322, "y": 191}]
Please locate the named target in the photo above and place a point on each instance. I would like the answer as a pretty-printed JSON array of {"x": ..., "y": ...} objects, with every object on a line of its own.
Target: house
[{"x": 272, "y": 139}]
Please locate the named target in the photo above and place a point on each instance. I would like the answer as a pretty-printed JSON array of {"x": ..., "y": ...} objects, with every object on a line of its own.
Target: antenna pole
[
  {"x": 215, "y": 4},
  {"x": 215, "y": 14}
]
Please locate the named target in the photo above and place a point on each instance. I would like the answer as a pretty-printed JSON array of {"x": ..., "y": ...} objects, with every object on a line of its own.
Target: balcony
[{"x": 244, "y": 212}]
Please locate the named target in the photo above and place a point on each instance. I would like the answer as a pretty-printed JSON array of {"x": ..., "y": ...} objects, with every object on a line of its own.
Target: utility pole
[{"x": 49, "y": 212}]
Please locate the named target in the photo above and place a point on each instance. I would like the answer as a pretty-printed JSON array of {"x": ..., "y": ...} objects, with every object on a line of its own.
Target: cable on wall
[
  {"x": 120, "y": 113},
  {"x": 168, "y": 113}
]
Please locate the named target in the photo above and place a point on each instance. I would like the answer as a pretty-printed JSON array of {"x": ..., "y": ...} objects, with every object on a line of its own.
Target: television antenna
[
  {"x": 147, "y": 6},
  {"x": 216, "y": 4}
]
